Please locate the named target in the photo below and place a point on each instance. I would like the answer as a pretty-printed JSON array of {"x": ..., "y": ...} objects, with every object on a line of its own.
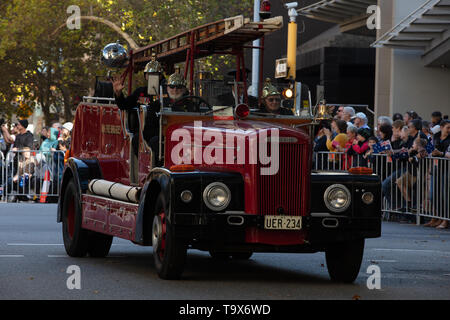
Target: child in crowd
[
  {"x": 359, "y": 148},
  {"x": 372, "y": 141}
]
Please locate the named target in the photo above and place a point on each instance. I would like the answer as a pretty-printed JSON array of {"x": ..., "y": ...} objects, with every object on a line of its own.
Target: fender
[
  {"x": 158, "y": 180},
  {"x": 81, "y": 171},
  {"x": 170, "y": 184}
]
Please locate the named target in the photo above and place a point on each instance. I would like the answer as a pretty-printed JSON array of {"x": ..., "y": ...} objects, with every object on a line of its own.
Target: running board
[{"x": 109, "y": 216}]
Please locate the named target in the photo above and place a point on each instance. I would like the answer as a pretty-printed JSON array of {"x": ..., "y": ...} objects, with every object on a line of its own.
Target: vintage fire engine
[{"x": 112, "y": 187}]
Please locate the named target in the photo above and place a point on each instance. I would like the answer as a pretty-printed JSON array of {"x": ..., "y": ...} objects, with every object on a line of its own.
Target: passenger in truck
[
  {"x": 229, "y": 98},
  {"x": 271, "y": 100}
]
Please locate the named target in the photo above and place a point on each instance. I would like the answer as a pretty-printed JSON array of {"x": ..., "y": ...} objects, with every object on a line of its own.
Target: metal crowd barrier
[
  {"x": 31, "y": 175},
  {"x": 2, "y": 174},
  {"x": 422, "y": 190}
]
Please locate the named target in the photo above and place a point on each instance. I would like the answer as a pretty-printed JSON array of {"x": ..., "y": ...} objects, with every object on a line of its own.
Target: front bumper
[{"x": 231, "y": 229}]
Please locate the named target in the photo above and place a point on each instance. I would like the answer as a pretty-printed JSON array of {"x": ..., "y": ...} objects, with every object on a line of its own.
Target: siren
[
  {"x": 264, "y": 10},
  {"x": 242, "y": 111}
]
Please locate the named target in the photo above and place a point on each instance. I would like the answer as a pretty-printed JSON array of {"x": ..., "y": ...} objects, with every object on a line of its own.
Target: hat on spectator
[
  {"x": 24, "y": 123},
  {"x": 364, "y": 132},
  {"x": 68, "y": 126},
  {"x": 361, "y": 116}
]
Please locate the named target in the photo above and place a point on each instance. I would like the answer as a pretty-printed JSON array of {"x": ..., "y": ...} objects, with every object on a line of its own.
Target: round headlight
[
  {"x": 186, "y": 196},
  {"x": 217, "y": 196},
  {"x": 337, "y": 198},
  {"x": 367, "y": 197}
]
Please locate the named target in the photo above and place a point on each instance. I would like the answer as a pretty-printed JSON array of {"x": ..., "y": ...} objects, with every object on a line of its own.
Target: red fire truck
[{"x": 112, "y": 187}]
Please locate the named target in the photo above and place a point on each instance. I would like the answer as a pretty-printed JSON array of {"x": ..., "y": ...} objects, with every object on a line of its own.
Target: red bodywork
[{"x": 97, "y": 135}]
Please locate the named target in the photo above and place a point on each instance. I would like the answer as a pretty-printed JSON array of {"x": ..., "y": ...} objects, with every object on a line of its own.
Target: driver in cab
[
  {"x": 271, "y": 100},
  {"x": 177, "y": 91}
]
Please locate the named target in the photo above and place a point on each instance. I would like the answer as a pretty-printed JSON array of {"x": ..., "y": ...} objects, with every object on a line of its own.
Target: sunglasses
[
  {"x": 274, "y": 99},
  {"x": 176, "y": 87}
]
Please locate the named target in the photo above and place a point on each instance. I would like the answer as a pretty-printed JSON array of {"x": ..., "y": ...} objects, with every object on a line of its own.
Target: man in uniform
[
  {"x": 271, "y": 100},
  {"x": 140, "y": 96},
  {"x": 176, "y": 91},
  {"x": 229, "y": 99}
]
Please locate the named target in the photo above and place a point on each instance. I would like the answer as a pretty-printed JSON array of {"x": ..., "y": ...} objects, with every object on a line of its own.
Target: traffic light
[{"x": 264, "y": 10}]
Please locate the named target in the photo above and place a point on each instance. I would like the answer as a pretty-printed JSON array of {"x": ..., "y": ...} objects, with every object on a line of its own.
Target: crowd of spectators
[
  {"x": 406, "y": 140},
  {"x": 24, "y": 159}
]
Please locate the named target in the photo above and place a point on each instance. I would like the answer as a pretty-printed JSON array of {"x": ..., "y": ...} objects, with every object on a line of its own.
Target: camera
[{"x": 291, "y": 5}]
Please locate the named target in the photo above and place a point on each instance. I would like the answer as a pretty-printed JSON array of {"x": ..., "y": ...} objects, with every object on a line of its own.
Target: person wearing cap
[
  {"x": 176, "y": 90},
  {"x": 229, "y": 99},
  {"x": 271, "y": 100},
  {"x": 360, "y": 120}
]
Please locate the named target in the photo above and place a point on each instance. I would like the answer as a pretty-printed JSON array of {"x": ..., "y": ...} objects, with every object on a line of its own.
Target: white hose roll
[{"x": 114, "y": 190}]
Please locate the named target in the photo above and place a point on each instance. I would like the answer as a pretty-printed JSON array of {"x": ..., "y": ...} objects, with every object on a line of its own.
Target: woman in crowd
[
  {"x": 352, "y": 131},
  {"x": 25, "y": 171},
  {"x": 339, "y": 129}
]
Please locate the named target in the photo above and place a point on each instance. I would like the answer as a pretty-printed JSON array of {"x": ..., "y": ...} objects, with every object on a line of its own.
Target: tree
[{"x": 42, "y": 63}]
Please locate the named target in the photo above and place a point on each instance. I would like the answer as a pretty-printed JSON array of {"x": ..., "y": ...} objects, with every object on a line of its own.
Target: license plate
[{"x": 282, "y": 222}]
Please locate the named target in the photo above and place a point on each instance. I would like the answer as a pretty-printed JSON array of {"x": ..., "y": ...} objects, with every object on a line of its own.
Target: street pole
[
  {"x": 292, "y": 40},
  {"x": 255, "y": 61}
]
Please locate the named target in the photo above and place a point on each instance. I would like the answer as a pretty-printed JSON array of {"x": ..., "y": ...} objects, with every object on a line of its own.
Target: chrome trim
[
  {"x": 343, "y": 188},
  {"x": 240, "y": 223},
  {"x": 334, "y": 220},
  {"x": 326, "y": 215},
  {"x": 205, "y": 196}
]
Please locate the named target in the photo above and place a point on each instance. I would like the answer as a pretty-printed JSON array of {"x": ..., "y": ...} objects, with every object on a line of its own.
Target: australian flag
[
  {"x": 382, "y": 146},
  {"x": 429, "y": 147}
]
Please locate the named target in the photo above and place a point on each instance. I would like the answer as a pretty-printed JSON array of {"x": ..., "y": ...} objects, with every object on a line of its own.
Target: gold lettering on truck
[{"x": 111, "y": 129}]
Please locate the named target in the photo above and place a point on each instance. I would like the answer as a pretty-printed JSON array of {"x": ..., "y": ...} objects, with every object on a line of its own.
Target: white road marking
[
  {"x": 11, "y": 256},
  {"x": 414, "y": 250},
  {"x": 34, "y": 244},
  {"x": 387, "y": 261}
]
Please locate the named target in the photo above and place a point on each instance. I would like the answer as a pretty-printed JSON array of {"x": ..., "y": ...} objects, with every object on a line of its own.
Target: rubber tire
[
  {"x": 171, "y": 265},
  {"x": 219, "y": 255},
  {"x": 241, "y": 255},
  {"x": 76, "y": 240},
  {"x": 99, "y": 244},
  {"x": 344, "y": 260}
]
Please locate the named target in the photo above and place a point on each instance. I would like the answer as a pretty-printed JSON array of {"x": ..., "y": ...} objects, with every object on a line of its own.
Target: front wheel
[
  {"x": 74, "y": 236},
  {"x": 169, "y": 253},
  {"x": 344, "y": 260}
]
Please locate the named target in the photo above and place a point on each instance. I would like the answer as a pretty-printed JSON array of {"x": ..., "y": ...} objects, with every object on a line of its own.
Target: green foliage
[{"x": 43, "y": 61}]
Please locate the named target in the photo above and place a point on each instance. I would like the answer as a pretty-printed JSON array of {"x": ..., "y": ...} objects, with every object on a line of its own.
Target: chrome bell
[
  {"x": 322, "y": 111},
  {"x": 114, "y": 55}
]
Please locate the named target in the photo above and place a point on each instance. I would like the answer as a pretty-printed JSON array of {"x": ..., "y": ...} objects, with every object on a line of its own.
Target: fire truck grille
[{"x": 280, "y": 193}]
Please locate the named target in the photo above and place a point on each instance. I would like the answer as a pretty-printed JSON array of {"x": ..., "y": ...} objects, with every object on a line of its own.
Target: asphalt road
[{"x": 414, "y": 262}]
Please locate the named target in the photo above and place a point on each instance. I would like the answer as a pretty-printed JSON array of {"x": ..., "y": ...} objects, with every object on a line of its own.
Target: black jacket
[
  {"x": 282, "y": 111},
  {"x": 227, "y": 99},
  {"x": 24, "y": 140}
]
